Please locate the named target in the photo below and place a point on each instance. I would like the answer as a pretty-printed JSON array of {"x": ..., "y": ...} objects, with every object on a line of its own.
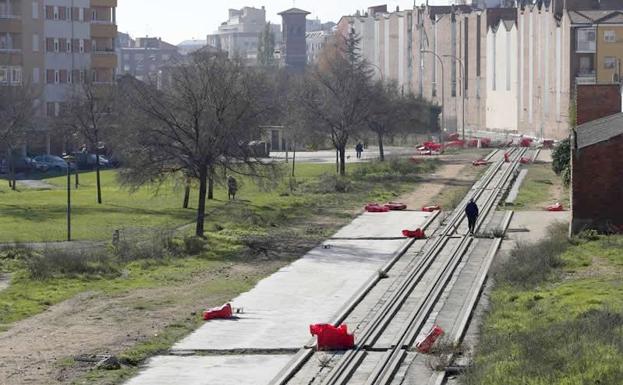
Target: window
[
  {"x": 81, "y": 47},
  {"x": 4, "y": 75},
  {"x": 16, "y": 75},
  {"x": 57, "y": 77},
  {"x": 35, "y": 75},
  {"x": 81, "y": 14},
  {"x": 586, "y": 40},
  {"x": 68, "y": 44},
  {"x": 610, "y": 62},
  {"x": 35, "y": 42},
  {"x": 93, "y": 14},
  {"x": 610, "y": 36},
  {"x": 56, "y": 13},
  {"x": 35, "y": 9},
  {"x": 57, "y": 45},
  {"x": 70, "y": 77}
]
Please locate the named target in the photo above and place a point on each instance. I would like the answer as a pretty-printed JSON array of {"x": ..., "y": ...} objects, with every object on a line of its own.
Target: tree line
[{"x": 197, "y": 129}]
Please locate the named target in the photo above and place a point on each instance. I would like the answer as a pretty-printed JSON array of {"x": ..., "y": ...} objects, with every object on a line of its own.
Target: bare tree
[
  {"x": 200, "y": 124},
  {"x": 89, "y": 114},
  {"x": 335, "y": 99},
  {"x": 17, "y": 110}
]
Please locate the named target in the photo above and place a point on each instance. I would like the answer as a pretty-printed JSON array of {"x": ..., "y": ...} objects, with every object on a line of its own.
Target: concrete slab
[
  {"x": 209, "y": 370},
  {"x": 278, "y": 311},
  {"x": 545, "y": 156},
  {"x": 512, "y": 195},
  {"x": 530, "y": 226},
  {"x": 382, "y": 225}
]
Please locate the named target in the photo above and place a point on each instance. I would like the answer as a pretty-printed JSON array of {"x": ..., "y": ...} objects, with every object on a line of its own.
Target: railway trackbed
[{"x": 437, "y": 281}]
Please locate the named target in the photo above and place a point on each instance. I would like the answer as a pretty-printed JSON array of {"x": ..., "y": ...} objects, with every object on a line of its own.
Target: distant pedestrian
[
  {"x": 232, "y": 187},
  {"x": 359, "y": 150},
  {"x": 471, "y": 211}
]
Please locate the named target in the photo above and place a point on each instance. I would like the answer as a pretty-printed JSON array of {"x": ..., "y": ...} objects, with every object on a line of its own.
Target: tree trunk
[
  {"x": 337, "y": 161},
  {"x": 97, "y": 177},
  {"x": 186, "y": 194},
  {"x": 201, "y": 207},
  {"x": 77, "y": 180},
  {"x": 381, "y": 150},
  {"x": 211, "y": 184},
  {"x": 13, "y": 178},
  {"x": 342, "y": 160},
  {"x": 293, "y": 161}
]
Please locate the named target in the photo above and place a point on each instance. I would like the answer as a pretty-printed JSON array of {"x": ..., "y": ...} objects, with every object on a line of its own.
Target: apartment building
[
  {"x": 511, "y": 70},
  {"x": 239, "y": 35},
  {"x": 144, "y": 57},
  {"x": 50, "y": 45}
]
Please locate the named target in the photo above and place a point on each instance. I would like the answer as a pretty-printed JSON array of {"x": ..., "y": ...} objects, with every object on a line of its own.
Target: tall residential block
[{"x": 52, "y": 45}]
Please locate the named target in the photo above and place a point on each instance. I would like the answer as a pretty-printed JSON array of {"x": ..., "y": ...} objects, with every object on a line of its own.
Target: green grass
[
  {"x": 567, "y": 329},
  {"x": 541, "y": 187}
]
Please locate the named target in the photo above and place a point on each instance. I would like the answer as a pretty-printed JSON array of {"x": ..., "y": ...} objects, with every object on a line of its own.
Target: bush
[
  {"x": 561, "y": 160},
  {"x": 194, "y": 245},
  {"x": 69, "y": 262},
  {"x": 150, "y": 245},
  {"x": 329, "y": 184},
  {"x": 399, "y": 169},
  {"x": 529, "y": 265}
]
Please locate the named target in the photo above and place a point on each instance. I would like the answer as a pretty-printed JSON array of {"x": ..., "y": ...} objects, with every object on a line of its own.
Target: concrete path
[
  {"x": 328, "y": 156},
  {"x": 278, "y": 311}
]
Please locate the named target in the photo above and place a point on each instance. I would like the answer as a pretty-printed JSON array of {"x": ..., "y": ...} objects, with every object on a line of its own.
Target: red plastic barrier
[
  {"x": 472, "y": 143},
  {"x": 430, "y": 209},
  {"x": 507, "y": 157},
  {"x": 525, "y": 142},
  {"x": 417, "y": 234},
  {"x": 432, "y": 146},
  {"x": 331, "y": 337},
  {"x": 424, "y": 344},
  {"x": 222, "y": 312},
  {"x": 485, "y": 142},
  {"x": 396, "y": 206},
  {"x": 555, "y": 207},
  {"x": 548, "y": 143},
  {"x": 480, "y": 162},
  {"x": 455, "y": 144},
  {"x": 376, "y": 208},
  {"x": 525, "y": 160},
  {"x": 453, "y": 136}
]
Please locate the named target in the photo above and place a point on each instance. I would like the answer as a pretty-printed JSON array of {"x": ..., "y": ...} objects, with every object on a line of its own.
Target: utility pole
[
  {"x": 443, "y": 99},
  {"x": 462, "y": 90}
]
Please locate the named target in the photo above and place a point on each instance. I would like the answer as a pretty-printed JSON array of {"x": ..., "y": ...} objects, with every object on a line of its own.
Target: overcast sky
[{"x": 180, "y": 20}]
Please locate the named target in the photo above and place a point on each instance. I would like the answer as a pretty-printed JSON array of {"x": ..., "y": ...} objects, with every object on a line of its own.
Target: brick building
[{"x": 597, "y": 176}]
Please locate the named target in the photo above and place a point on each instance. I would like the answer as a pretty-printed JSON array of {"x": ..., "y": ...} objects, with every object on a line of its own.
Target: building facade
[
  {"x": 51, "y": 45},
  {"x": 144, "y": 57},
  {"x": 511, "y": 70},
  {"x": 294, "y": 45}
]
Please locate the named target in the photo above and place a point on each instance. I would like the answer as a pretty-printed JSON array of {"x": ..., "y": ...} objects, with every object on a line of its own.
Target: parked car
[
  {"x": 53, "y": 163},
  {"x": 22, "y": 164},
  {"x": 86, "y": 161}
]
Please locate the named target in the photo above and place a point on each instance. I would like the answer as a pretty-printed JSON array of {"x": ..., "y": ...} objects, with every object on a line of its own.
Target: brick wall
[
  {"x": 597, "y": 196},
  {"x": 596, "y": 101}
]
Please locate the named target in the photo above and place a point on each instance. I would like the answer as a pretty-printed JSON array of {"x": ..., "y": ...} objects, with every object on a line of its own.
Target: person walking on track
[{"x": 471, "y": 211}]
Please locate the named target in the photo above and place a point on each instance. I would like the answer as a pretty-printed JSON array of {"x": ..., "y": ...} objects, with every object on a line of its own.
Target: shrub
[
  {"x": 153, "y": 244},
  {"x": 329, "y": 184},
  {"x": 394, "y": 168},
  {"x": 194, "y": 245},
  {"x": 529, "y": 265},
  {"x": 69, "y": 262}
]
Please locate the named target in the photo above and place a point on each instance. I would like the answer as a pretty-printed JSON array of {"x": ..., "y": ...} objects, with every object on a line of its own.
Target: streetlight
[
  {"x": 68, "y": 159},
  {"x": 443, "y": 101},
  {"x": 463, "y": 89}
]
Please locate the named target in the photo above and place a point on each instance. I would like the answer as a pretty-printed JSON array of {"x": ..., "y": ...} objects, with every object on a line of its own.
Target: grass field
[
  {"x": 542, "y": 187},
  {"x": 31, "y": 215},
  {"x": 566, "y": 328}
]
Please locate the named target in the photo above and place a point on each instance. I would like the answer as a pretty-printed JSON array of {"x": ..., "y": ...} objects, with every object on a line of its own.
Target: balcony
[
  {"x": 103, "y": 30},
  {"x": 589, "y": 77},
  {"x": 104, "y": 3},
  {"x": 104, "y": 59},
  {"x": 10, "y": 25},
  {"x": 10, "y": 9}
]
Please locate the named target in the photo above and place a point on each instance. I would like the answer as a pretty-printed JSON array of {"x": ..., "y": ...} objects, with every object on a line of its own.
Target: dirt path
[
  {"x": 455, "y": 171},
  {"x": 96, "y": 323}
]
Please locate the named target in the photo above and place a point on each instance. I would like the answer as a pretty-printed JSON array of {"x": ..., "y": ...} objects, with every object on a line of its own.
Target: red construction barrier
[
  {"x": 222, "y": 312},
  {"x": 455, "y": 144},
  {"x": 452, "y": 136},
  {"x": 396, "y": 206},
  {"x": 525, "y": 142},
  {"x": 548, "y": 143},
  {"x": 525, "y": 160},
  {"x": 331, "y": 337},
  {"x": 432, "y": 146},
  {"x": 424, "y": 344},
  {"x": 507, "y": 157},
  {"x": 485, "y": 142},
  {"x": 480, "y": 162},
  {"x": 417, "y": 234},
  {"x": 555, "y": 207},
  {"x": 376, "y": 208},
  {"x": 472, "y": 143},
  {"x": 430, "y": 209}
]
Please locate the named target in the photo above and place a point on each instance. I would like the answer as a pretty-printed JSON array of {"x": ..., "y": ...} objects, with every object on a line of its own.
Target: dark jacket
[{"x": 471, "y": 210}]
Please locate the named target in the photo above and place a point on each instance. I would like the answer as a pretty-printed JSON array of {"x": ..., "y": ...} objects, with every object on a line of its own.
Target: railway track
[{"x": 449, "y": 243}]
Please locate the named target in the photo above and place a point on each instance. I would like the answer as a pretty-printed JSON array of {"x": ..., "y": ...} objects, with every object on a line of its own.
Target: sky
[{"x": 178, "y": 20}]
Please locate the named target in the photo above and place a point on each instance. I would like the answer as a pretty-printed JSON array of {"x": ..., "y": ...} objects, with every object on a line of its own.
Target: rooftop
[
  {"x": 599, "y": 130},
  {"x": 294, "y": 11}
]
